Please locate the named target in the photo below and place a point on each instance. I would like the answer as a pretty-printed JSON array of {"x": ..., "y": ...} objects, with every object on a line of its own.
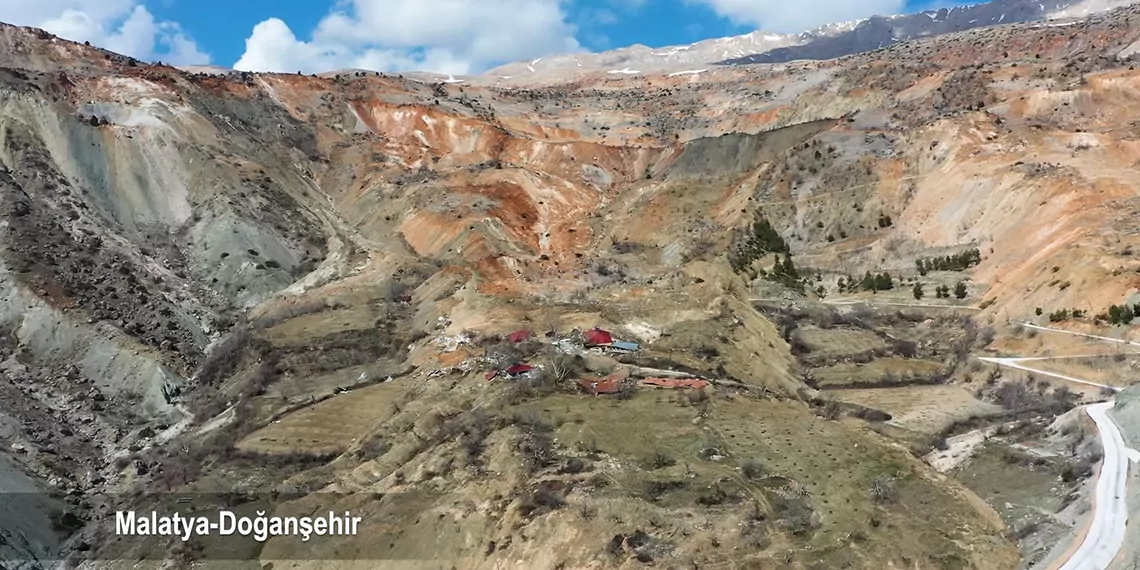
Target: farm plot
[
  {"x": 924, "y": 409},
  {"x": 882, "y": 371},
  {"x": 295, "y": 389},
  {"x": 299, "y": 331},
  {"x": 329, "y": 426},
  {"x": 840, "y": 342}
]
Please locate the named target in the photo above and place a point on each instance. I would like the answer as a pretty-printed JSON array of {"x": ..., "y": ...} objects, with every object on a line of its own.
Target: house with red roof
[{"x": 597, "y": 337}]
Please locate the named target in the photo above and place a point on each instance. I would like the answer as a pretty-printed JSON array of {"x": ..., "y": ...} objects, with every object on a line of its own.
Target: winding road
[
  {"x": 1106, "y": 533},
  {"x": 1105, "y": 536}
]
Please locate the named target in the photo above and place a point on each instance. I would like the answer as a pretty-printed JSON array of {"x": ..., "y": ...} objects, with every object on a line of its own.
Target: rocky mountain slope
[
  {"x": 881, "y": 31},
  {"x": 206, "y": 282},
  {"x": 827, "y": 42},
  {"x": 642, "y": 59}
]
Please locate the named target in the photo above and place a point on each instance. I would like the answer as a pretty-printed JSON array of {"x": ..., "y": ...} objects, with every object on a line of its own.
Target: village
[{"x": 594, "y": 360}]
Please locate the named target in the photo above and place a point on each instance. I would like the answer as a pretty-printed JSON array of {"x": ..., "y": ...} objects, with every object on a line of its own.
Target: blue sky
[{"x": 451, "y": 36}]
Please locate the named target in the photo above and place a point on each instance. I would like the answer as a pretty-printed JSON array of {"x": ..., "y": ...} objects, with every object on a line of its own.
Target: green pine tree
[{"x": 960, "y": 290}]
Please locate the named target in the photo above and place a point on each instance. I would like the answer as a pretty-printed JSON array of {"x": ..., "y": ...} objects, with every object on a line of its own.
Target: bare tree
[{"x": 560, "y": 366}]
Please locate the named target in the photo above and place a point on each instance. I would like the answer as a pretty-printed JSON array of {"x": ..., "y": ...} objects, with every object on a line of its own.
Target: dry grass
[
  {"x": 299, "y": 331},
  {"x": 329, "y": 426},
  {"x": 841, "y": 342},
  {"x": 815, "y": 488},
  {"x": 884, "y": 371},
  {"x": 1118, "y": 370},
  {"x": 925, "y": 409}
]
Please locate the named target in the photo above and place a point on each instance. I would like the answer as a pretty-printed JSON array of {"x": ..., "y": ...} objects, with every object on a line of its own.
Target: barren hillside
[{"x": 255, "y": 282}]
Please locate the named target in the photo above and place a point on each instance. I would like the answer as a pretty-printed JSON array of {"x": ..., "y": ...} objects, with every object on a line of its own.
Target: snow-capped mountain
[
  {"x": 826, "y": 42},
  {"x": 643, "y": 59},
  {"x": 881, "y": 31}
]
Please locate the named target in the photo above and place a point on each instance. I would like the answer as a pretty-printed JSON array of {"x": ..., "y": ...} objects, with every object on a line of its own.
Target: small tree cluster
[
  {"x": 1120, "y": 314},
  {"x": 956, "y": 262},
  {"x": 762, "y": 239},
  {"x": 879, "y": 282},
  {"x": 785, "y": 273},
  {"x": 1061, "y": 315},
  {"x": 942, "y": 292},
  {"x": 918, "y": 292}
]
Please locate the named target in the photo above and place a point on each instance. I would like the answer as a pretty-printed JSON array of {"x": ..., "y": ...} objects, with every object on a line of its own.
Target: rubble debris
[
  {"x": 518, "y": 370},
  {"x": 520, "y": 336},
  {"x": 623, "y": 347},
  {"x": 452, "y": 343},
  {"x": 674, "y": 383},
  {"x": 596, "y": 386}
]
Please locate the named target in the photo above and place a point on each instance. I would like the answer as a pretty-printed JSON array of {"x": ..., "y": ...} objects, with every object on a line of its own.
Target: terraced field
[
  {"x": 925, "y": 409},
  {"x": 329, "y": 426},
  {"x": 882, "y": 371},
  {"x": 840, "y": 342}
]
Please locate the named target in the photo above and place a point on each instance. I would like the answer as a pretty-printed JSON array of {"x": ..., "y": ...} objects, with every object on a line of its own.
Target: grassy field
[
  {"x": 329, "y": 426},
  {"x": 1023, "y": 492},
  {"x": 841, "y": 342},
  {"x": 656, "y": 448},
  {"x": 296, "y": 389},
  {"x": 884, "y": 370},
  {"x": 298, "y": 330},
  {"x": 925, "y": 409}
]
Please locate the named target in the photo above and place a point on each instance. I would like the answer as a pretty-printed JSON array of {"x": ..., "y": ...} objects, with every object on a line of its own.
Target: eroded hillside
[{"x": 253, "y": 282}]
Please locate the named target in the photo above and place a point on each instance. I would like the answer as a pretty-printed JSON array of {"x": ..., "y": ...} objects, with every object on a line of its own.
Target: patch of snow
[
  {"x": 643, "y": 331},
  {"x": 689, "y": 72},
  {"x": 625, "y": 71},
  {"x": 452, "y": 79},
  {"x": 959, "y": 449},
  {"x": 421, "y": 137}
]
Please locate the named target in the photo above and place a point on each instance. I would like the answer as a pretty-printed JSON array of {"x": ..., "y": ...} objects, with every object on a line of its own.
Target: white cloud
[
  {"x": 123, "y": 26},
  {"x": 783, "y": 16},
  {"x": 446, "y": 36}
]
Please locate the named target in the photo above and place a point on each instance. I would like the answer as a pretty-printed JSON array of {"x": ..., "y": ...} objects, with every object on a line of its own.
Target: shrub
[
  {"x": 544, "y": 498},
  {"x": 659, "y": 460},
  {"x": 830, "y": 409},
  {"x": 752, "y": 469},
  {"x": 884, "y": 489}
]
